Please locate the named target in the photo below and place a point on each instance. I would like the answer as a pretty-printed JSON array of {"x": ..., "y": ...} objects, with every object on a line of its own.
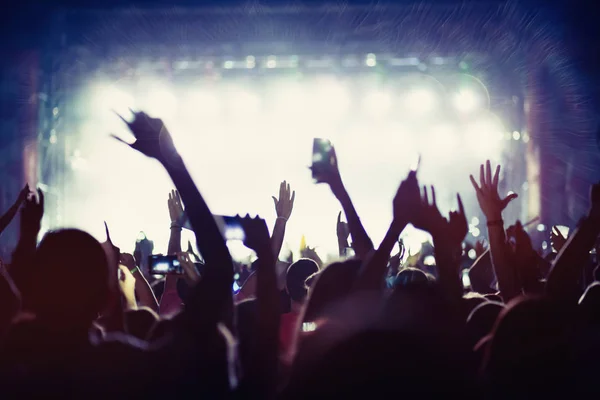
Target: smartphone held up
[
  {"x": 323, "y": 159},
  {"x": 164, "y": 265}
]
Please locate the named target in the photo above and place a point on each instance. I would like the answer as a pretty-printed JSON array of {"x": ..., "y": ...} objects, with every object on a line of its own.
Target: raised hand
[
  {"x": 152, "y": 137},
  {"x": 407, "y": 199},
  {"x": 191, "y": 274},
  {"x": 256, "y": 234},
  {"x": 557, "y": 240},
  {"x": 525, "y": 259},
  {"x": 285, "y": 204},
  {"x": 457, "y": 224},
  {"x": 331, "y": 175},
  {"x": 487, "y": 193},
  {"x": 32, "y": 213},
  {"x": 427, "y": 216},
  {"x": 8, "y": 216},
  {"x": 175, "y": 208}
]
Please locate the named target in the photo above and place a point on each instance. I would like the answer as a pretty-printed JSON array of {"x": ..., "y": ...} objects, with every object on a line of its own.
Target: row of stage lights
[
  {"x": 327, "y": 97},
  {"x": 369, "y": 60}
]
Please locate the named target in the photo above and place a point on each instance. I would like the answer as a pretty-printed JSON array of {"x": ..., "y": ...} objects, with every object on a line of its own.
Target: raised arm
[
  {"x": 154, "y": 140},
  {"x": 263, "y": 375},
  {"x": 31, "y": 223},
  {"x": 563, "y": 280},
  {"x": 145, "y": 295},
  {"x": 283, "y": 210},
  {"x": 177, "y": 219},
  {"x": 447, "y": 239},
  {"x": 170, "y": 302},
  {"x": 407, "y": 199},
  {"x": 8, "y": 216},
  {"x": 526, "y": 260},
  {"x": 360, "y": 240},
  {"x": 342, "y": 232},
  {"x": 492, "y": 206},
  {"x": 213, "y": 293}
]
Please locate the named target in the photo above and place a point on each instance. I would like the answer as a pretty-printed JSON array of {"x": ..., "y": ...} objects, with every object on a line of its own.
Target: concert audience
[{"x": 79, "y": 318}]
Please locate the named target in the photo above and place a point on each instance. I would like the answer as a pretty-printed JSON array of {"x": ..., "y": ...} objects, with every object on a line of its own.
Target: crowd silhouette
[{"x": 82, "y": 319}]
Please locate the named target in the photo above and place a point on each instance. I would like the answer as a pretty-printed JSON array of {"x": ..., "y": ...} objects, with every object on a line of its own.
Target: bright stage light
[
  {"x": 278, "y": 117},
  {"x": 466, "y": 101},
  {"x": 332, "y": 98},
  {"x": 160, "y": 103},
  {"x": 289, "y": 99},
  {"x": 371, "y": 60},
  {"x": 484, "y": 136},
  {"x": 108, "y": 98},
  {"x": 201, "y": 104},
  {"x": 421, "y": 101},
  {"x": 245, "y": 103},
  {"x": 377, "y": 104},
  {"x": 444, "y": 140}
]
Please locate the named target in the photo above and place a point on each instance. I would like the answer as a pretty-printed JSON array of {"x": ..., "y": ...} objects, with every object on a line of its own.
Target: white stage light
[
  {"x": 377, "y": 104},
  {"x": 250, "y": 62},
  {"x": 109, "y": 98},
  {"x": 245, "y": 103},
  {"x": 466, "y": 101},
  {"x": 444, "y": 140},
  {"x": 371, "y": 60},
  {"x": 161, "y": 103},
  {"x": 421, "y": 101},
  {"x": 484, "y": 136},
  {"x": 271, "y": 62},
  {"x": 332, "y": 98},
  {"x": 289, "y": 99},
  {"x": 201, "y": 104}
]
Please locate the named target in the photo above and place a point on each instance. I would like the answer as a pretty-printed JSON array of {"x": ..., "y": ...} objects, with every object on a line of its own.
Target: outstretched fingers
[
  {"x": 482, "y": 176},
  {"x": 281, "y": 190},
  {"x": 120, "y": 140},
  {"x": 474, "y": 183},
  {"x": 496, "y": 178}
]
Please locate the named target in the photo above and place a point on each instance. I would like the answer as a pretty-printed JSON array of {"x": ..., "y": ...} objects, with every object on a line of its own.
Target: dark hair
[
  {"x": 530, "y": 339},
  {"x": 71, "y": 279},
  {"x": 412, "y": 276},
  {"x": 482, "y": 319},
  {"x": 589, "y": 304},
  {"x": 331, "y": 284},
  {"x": 296, "y": 276},
  {"x": 141, "y": 322}
]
